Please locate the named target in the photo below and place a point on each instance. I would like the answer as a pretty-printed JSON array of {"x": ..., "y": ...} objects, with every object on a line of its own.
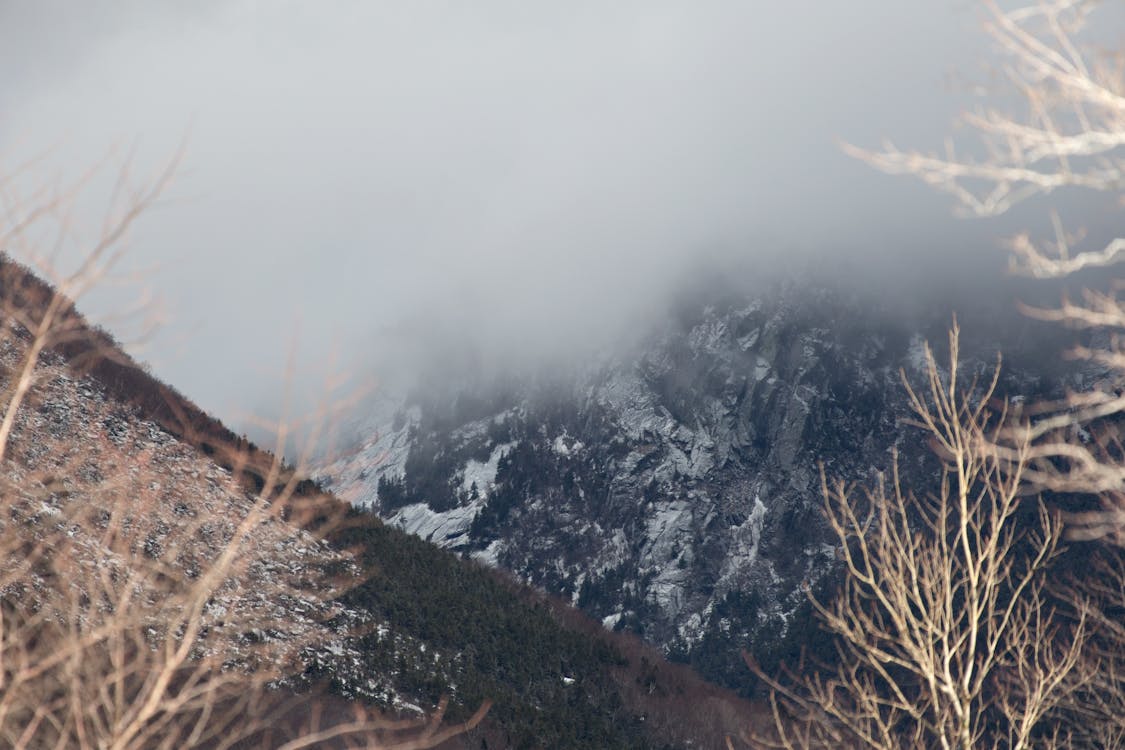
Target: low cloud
[{"x": 530, "y": 177}]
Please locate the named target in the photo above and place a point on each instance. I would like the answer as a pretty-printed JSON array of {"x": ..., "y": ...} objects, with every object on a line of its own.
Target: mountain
[
  {"x": 670, "y": 489},
  {"x": 102, "y": 451}
]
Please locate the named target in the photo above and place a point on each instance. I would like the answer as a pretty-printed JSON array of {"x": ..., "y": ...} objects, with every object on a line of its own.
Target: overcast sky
[{"x": 529, "y": 172}]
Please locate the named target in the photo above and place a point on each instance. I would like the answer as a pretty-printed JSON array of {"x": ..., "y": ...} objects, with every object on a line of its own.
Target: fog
[{"x": 368, "y": 181}]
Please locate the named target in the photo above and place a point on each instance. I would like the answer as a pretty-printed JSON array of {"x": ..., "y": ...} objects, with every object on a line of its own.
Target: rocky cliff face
[{"x": 673, "y": 490}]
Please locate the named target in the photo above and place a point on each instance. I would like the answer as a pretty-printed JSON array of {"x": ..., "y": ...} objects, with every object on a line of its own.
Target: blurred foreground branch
[
  {"x": 148, "y": 598},
  {"x": 1063, "y": 127}
]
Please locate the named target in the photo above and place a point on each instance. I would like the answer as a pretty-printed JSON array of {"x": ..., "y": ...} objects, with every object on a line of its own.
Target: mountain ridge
[{"x": 672, "y": 490}]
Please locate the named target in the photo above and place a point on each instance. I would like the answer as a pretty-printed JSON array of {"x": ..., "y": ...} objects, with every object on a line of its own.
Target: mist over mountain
[
  {"x": 669, "y": 486},
  {"x": 434, "y": 353},
  {"x": 368, "y": 182}
]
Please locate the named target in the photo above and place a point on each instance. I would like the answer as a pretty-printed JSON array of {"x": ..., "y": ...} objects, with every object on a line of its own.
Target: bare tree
[
  {"x": 1057, "y": 124},
  {"x": 148, "y": 598},
  {"x": 1064, "y": 129},
  {"x": 944, "y": 637}
]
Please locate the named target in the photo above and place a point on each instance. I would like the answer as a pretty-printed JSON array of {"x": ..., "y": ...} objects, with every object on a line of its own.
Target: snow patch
[
  {"x": 490, "y": 555},
  {"x": 561, "y": 447},
  {"x": 355, "y": 477},
  {"x": 446, "y": 529},
  {"x": 746, "y": 539},
  {"x": 916, "y": 354},
  {"x": 483, "y": 474}
]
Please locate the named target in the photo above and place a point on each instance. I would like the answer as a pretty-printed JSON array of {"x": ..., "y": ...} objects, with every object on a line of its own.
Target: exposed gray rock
[{"x": 672, "y": 490}]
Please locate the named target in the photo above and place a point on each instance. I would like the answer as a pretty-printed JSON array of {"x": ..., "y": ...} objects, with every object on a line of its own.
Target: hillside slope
[{"x": 418, "y": 625}]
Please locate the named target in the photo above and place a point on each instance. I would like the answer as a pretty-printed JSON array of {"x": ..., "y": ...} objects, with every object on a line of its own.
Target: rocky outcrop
[{"x": 674, "y": 490}]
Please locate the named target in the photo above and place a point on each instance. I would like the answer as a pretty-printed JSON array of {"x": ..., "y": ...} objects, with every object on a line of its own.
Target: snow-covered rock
[{"x": 671, "y": 489}]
